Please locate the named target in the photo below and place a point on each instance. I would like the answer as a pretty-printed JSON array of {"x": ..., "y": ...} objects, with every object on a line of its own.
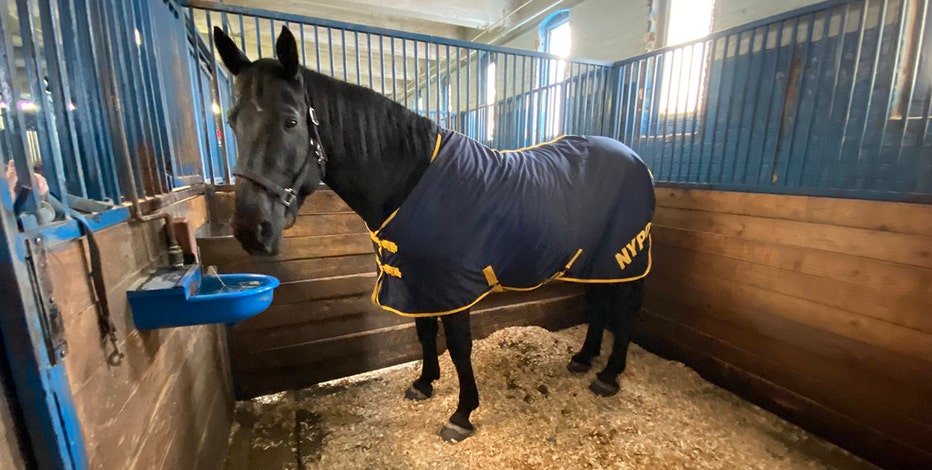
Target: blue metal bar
[
  {"x": 920, "y": 69},
  {"x": 814, "y": 107},
  {"x": 343, "y": 53},
  {"x": 258, "y": 38},
  {"x": 382, "y": 62},
  {"x": 743, "y": 104},
  {"x": 847, "y": 117},
  {"x": 356, "y": 48},
  {"x": 369, "y": 52},
  {"x": 796, "y": 106},
  {"x": 303, "y": 50},
  {"x": 242, "y": 34},
  {"x": 404, "y": 69},
  {"x": 394, "y": 81},
  {"x": 317, "y": 49}
]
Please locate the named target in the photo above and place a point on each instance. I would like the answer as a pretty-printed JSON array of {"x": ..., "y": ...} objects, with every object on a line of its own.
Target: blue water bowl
[{"x": 182, "y": 297}]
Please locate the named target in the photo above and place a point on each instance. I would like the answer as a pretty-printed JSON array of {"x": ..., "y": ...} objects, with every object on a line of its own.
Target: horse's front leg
[
  {"x": 422, "y": 388},
  {"x": 459, "y": 342}
]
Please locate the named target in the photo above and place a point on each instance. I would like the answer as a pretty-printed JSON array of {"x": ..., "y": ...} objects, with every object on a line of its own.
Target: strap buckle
[
  {"x": 289, "y": 197},
  {"x": 313, "y": 115}
]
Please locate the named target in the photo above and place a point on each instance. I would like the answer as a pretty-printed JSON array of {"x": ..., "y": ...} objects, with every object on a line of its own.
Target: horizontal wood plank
[
  {"x": 892, "y": 278},
  {"x": 908, "y": 249},
  {"x": 337, "y": 223},
  {"x": 872, "y": 215},
  {"x": 227, "y": 251},
  {"x": 896, "y": 308},
  {"x": 742, "y": 286}
]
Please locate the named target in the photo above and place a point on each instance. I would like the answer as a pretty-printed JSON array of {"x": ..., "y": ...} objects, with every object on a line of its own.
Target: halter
[{"x": 287, "y": 196}]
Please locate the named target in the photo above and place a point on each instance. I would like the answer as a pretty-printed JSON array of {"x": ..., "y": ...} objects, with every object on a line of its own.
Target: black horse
[{"x": 296, "y": 128}]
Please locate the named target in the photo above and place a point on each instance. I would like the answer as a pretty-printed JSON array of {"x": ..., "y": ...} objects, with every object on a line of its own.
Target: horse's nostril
[{"x": 264, "y": 230}]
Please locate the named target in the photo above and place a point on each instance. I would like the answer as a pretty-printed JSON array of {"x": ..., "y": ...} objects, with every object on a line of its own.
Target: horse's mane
[{"x": 365, "y": 128}]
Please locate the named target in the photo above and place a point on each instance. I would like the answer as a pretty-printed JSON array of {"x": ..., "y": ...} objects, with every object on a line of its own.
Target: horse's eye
[{"x": 291, "y": 123}]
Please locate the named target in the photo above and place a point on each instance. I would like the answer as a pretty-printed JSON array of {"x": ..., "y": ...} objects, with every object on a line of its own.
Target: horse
[{"x": 296, "y": 128}]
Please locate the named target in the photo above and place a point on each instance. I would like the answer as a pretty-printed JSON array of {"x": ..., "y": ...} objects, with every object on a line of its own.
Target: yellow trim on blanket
[
  {"x": 436, "y": 148},
  {"x": 532, "y": 146}
]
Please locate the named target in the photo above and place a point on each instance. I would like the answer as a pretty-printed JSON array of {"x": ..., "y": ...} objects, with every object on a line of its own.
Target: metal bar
[
  {"x": 330, "y": 51},
  {"x": 775, "y": 166},
  {"x": 718, "y": 105},
  {"x": 922, "y": 41},
  {"x": 369, "y": 63},
  {"x": 242, "y": 34},
  {"x": 356, "y": 49},
  {"x": 854, "y": 82},
  {"x": 404, "y": 68},
  {"x": 382, "y": 62},
  {"x": 676, "y": 114},
  {"x": 394, "y": 82},
  {"x": 215, "y": 95},
  {"x": 804, "y": 154},
  {"x": 821, "y": 146},
  {"x": 343, "y": 52},
  {"x": 317, "y": 49},
  {"x": 884, "y": 109},
  {"x": 459, "y": 68},
  {"x": 786, "y": 177},
  {"x": 258, "y": 38},
  {"x": 303, "y": 51},
  {"x": 730, "y": 107}
]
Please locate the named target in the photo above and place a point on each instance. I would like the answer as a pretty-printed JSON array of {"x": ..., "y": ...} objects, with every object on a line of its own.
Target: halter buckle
[
  {"x": 289, "y": 197},
  {"x": 313, "y": 115}
]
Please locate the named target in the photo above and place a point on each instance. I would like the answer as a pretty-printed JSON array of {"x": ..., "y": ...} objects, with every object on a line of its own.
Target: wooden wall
[
  {"x": 817, "y": 309},
  {"x": 169, "y": 404},
  {"x": 322, "y": 324}
]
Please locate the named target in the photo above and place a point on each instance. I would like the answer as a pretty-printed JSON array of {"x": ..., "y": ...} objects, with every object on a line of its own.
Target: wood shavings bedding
[{"x": 533, "y": 414}]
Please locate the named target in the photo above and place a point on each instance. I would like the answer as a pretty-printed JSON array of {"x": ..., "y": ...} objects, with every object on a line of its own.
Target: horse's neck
[{"x": 377, "y": 150}]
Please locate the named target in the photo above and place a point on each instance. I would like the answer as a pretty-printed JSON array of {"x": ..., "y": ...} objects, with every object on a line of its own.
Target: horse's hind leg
[
  {"x": 422, "y": 389},
  {"x": 599, "y": 299},
  {"x": 623, "y": 313},
  {"x": 459, "y": 342}
]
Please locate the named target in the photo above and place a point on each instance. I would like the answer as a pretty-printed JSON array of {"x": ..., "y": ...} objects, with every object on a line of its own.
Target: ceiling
[{"x": 488, "y": 21}]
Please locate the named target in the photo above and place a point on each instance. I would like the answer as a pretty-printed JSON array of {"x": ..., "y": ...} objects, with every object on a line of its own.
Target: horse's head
[{"x": 280, "y": 159}]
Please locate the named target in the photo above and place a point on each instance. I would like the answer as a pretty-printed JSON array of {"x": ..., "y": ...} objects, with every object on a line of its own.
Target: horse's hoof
[
  {"x": 603, "y": 389},
  {"x": 454, "y": 433},
  {"x": 578, "y": 367},
  {"x": 414, "y": 394}
]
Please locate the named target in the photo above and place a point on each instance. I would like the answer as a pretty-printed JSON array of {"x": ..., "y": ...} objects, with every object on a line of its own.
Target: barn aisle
[{"x": 534, "y": 414}]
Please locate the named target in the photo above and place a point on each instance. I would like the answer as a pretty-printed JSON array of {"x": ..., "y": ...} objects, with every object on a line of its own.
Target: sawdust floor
[{"x": 534, "y": 415}]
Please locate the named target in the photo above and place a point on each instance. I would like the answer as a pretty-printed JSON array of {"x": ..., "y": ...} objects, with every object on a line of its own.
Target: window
[
  {"x": 554, "y": 39},
  {"x": 683, "y": 74}
]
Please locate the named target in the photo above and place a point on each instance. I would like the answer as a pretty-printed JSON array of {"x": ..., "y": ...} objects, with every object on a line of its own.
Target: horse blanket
[{"x": 575, "y": 209}]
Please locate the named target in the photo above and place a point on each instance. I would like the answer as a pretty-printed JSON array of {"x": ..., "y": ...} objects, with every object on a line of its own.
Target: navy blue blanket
[{"x": 575, "y": 209}]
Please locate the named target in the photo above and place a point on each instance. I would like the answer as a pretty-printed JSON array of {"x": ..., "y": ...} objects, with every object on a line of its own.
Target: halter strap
[{"x": 287, "y": 196}]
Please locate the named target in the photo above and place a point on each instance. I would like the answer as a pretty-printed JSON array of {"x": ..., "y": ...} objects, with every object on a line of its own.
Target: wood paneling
[
  {"x": 170, "y": 400},
  {"x": 816, "y": 308},
  {"x": 322, "y": 323}
]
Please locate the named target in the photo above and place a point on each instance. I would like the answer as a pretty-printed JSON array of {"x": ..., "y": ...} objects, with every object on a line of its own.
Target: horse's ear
[
  {"x": 287, "y": 50},
  {"x": 232, "y": 57}
]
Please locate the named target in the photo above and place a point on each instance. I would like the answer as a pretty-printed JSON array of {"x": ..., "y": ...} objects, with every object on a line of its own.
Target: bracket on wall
[{"x": 53, "y": 328}]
